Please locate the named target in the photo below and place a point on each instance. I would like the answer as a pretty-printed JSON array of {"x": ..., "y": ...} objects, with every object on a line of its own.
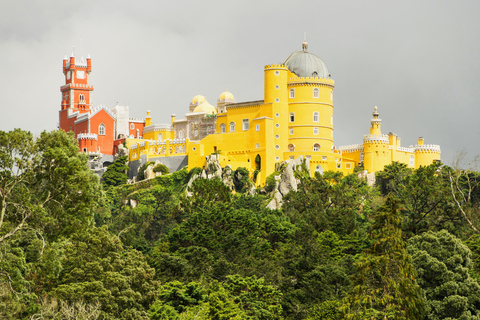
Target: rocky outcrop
[
  {"x": 286, "y": 181},
  {"x": 149, "y": 174},
  {"x": 368, "y": 177}
]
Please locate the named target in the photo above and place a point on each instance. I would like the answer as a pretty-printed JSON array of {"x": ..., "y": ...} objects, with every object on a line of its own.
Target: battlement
[
  {"x": 276, "y": 66},
  {"x": 351, "y": 148},
  {"x": 404, "y": 149},
  {"x": 427, "y": 148},
  {"x": 305, "y": 80},
  {"x": 87, "y": 136},
  {"x": 76, "y": 86},
  {"x": 375, "y": 138}
]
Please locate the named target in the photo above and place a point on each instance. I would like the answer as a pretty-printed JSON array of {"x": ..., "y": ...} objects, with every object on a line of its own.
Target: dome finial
[{"x": 304, "y": 43}]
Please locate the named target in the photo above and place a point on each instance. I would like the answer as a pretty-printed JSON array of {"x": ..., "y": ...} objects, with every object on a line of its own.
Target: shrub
[{"x": 161, "y": 168}]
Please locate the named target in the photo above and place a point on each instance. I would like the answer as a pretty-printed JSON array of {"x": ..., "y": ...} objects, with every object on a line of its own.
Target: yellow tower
[
  {"x": 310, "y": 93},
  {"x": 425, "y": 154},
  {"x": 376, "y": 152}
]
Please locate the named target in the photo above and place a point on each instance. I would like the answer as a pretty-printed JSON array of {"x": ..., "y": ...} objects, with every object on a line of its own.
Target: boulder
[{"x": 149, "y": 174}]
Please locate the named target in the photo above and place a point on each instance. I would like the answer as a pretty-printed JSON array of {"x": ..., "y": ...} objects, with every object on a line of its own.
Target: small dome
[
  {"x": 226, "y": 96},
  {"x": 198, "y": 99},
  {"x": 206, "y": 107},
  {"x": 305, "y": 64}
]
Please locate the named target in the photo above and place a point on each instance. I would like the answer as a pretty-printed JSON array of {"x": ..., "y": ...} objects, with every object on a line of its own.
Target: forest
[{"x": 75, "y": 247}]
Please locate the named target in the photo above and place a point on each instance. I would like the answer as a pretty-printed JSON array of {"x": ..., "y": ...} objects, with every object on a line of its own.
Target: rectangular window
[
  {"x": 315, "y": 117},
  {"x": 315, "y": 92},
  {"x": 291, "y": 93},
  {"x": 347, "y": 165},
  {"x": 292, "y": 117},
  {"x": 257, "y": 127},
  {"x": 324, "y": 158},
  {"x": 292, "y": 131},
  {"x": 315, "y": 130},
  {"x": 339, "y": 165},
  {"x": 245, "y": 124}
]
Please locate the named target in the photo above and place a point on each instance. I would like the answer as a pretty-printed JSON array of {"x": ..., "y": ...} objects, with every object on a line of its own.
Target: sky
[{"x": 417, "y": 60}]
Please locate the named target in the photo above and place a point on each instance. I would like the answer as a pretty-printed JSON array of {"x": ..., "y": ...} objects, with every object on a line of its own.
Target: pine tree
[{"x": 385, "y": 286}]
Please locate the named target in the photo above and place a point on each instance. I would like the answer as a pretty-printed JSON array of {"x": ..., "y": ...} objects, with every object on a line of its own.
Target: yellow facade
[{"x": 294, "y": 119}]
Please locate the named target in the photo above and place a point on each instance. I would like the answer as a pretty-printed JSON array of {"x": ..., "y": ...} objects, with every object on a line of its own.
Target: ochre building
[{"x": 295, "y": 118}]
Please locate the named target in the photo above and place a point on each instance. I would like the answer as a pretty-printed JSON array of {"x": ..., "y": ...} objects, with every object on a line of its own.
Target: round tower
[
  {"x": 310, "y": 104},
  {"x": 375, "y": 145},
  {"x": 426, "y": 154},
  {"x": 276, "y": 96}
]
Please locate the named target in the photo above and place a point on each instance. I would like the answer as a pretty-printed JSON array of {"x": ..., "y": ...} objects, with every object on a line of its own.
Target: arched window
[
  {"x": 101, "y": 129},
  {"x": 160, "y": 137},
  {"x": 81, "y": 99},
  {"x": 222, "y": 128},
  {"x": 291, "y": 93},
  {"x": 316, "y": 147},
  {"x": 132, "y": 126},
  {"x": 291, "y": 148},
  {"x": 315, "y": 117},
  {"x": 315, "y": 130},
  {"x": 232, "y": 126},
  {"x": 315, "y": 92},
  {"x": 319, "y": 169},
  {"x": 180, "y": 134},
  {"x": 362, "y": 157}
]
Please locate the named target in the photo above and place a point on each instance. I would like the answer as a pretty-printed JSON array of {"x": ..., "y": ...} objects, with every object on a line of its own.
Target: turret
[
  {"x": 173, "y": 118},
  {"x": 375, "y": 123},
  {"x": 64, "y": 63},
  {"x": 72, "y": 60},
  {"x": 89, "y": 64},
  {"x": 148, "y": 119}
]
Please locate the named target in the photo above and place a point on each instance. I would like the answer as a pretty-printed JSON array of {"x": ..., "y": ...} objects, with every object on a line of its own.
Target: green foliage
[
  {"x": 161, "y": 168},
  {"x": 385, "y": 286},
  {"x": 241, "y": 180},
  {"x": 443, "y": 262},
  {"x": 270, "y": 182},
  {"x": 115, "y": 174},
  {"x": 389, "y": 179}
]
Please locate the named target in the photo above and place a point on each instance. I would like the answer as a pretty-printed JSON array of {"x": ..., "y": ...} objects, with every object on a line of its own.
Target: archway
[
  {"x": 258, "y": 162},
  {"x": 319, "y": 169}
]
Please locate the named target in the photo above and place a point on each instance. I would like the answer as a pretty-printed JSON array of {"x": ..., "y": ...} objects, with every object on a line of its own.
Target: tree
[
  {"x": 385, "y": 286},
  {"x": 115, "y": 174},
  {"x": 443, "y": 262}
]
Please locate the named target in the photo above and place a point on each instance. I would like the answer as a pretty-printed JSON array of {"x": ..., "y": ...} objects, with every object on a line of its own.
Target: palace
[{"x": 295, "y": 118}]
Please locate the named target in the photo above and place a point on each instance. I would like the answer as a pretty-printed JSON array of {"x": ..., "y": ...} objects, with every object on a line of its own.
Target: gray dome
[{"x": 305, "y": 64}]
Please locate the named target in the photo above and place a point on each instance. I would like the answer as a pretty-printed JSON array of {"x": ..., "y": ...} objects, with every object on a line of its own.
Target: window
[
  {"x": 291, "y": 117},
  {"x": 277, "y": 87},
  {"x": 257, "y": 145},
  {"x": 232, "y": 126},
  {"x": 291, "y": 94},
  {"x": 315, "y": 117},
  {"x": 361, "y": 157},
  {"x": 319, "y": 169},
  {"x": 331, "y": 119},
  {"x": 222, "y": 128},
  {"x": 257, "y": 127},
  {"x": 277, "y": 72},
  {"x": 291, "y": 148},
  {"x": 316, "y": 147},
  {"x": 277, "y": 125},
  {"x": 277, "y": 114},
  {"x": 277, "y": 158},
  {"x": 324, "y": 158},
  {"x": 339, "y": 165},
  {"x": 277, "y": 136},
  {"x": 160, "y": 137},
  {"x": 245, "y": 124},
  {"x": 101, "y": 129},
  {"x": 277, "y": 100},
  {"x": 292, "y": 157},
  {"x": 315, "y": 130},
  {"x": 315, "y": 92},
  {"x": 292, "y": 131},
  {"x": 412, "y": 160},
  {"x": 180, "y": 134},
  {"x": 81, "y": 99},
  {"x": 84, "y": 149},
  {"x": 277, "y": 146},
  {"x": 347, "y": 165}
]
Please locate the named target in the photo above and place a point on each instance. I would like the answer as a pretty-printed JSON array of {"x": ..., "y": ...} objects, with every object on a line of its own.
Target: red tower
[{"x": 75, "y": 91}]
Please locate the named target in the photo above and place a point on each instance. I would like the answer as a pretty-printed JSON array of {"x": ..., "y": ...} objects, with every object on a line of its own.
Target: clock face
[{"x": 81, "y": 74}]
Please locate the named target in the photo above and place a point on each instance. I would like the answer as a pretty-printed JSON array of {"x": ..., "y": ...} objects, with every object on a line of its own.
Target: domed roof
[
  {"x": 198, "y": 99},
  {"x": 305, "y": 64},
  {"x": 206, "y": 107},
  {"x": 226, "y": 96}
]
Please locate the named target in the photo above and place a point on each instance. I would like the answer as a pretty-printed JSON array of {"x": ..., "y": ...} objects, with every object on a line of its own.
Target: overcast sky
[{"x": 418, "y": 61}]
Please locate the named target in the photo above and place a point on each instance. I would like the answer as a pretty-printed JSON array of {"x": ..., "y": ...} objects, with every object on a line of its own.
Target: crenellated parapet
[
  {"x": 375, "y": 138},
  {"x": 276, "y": 66},
  {"x": 87, "y": 136},
  {"x": 427, "y": 148},
  {"x": 310, "y": 81},
  {"x": 156, "y": 148},
  {"x": 351, "y": 148}
]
